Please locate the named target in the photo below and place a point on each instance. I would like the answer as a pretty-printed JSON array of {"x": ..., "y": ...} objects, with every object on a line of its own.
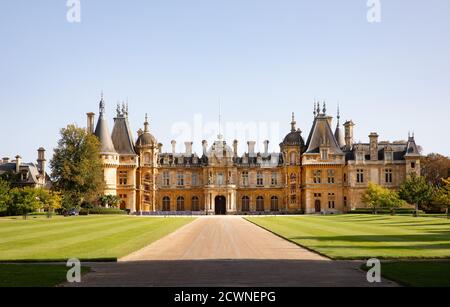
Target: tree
[
  {"x": 76, "y": 167},
  {"x": 443, "y": 195},
  {"x": 377, "y": 197},
  {"x": 50, "y": 200},
  {"x": 391, "y": 200},
  {"x": 372, "y": 196},
  {"x": 434, "y": 168},
  {"x": 110, "y": 201},
  {"x": 416, "y": 191},
  {"x": 23, "y": 201},
  {"x": 4, "y": 195}
]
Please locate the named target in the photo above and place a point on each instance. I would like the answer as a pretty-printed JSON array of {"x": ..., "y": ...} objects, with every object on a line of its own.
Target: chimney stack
[
  {"x": 349, "y": 134},
  {"x": 266, "y": 147},
  {"x": 174, "y": 145},
  {"x": 5, "y": 160},
  {"x": 90, "y": 123},
  {"x": 235, "y": 148},
  {"x": 188, "y": 148},
  {"x": 373, "y": 146},
  {"x": 251, "y": 148},
  {"x": 205, "y": 147},
  {"x": 18, "y": 163},
  {"x": 41, "y": 160}
]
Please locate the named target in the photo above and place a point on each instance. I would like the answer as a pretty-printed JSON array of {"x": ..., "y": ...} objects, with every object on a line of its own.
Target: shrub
[{"x": 100, "y": 210}]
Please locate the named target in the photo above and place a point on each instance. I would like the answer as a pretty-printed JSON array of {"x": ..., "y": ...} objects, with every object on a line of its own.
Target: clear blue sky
[{"x": 264, "y": 58}]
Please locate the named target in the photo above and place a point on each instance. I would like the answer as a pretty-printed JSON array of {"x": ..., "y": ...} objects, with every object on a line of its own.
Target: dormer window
[
  {"x": 324, "y": 154},
  {"x": 389, "y": 156}
]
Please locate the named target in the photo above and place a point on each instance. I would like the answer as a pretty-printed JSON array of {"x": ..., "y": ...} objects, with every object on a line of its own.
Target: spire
[
  {"x": 146, "y": 124},
  {"x": 293, "y": 123},
  {"x": 338, "y": 115}
]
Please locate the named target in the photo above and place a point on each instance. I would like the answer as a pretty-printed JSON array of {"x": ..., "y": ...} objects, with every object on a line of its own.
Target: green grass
[
  {"x": 91, "y": 238},
  {"x": 33, "y": 275},
  {"x": 364, "y": 236},
  {"x": 418, "y": 273}
]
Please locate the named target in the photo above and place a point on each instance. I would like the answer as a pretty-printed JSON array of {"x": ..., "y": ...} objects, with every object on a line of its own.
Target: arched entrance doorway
[
  {"x": 318, "y": 206},
  {"x": 220, "y": 205}
]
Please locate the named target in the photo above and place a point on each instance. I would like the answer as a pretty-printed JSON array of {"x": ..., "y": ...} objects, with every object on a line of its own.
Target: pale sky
[{"x": 173, "y": 59}]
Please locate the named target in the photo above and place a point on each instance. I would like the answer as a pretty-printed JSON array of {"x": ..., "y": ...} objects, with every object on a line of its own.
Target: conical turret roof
[{"x": 102, "y": 132}]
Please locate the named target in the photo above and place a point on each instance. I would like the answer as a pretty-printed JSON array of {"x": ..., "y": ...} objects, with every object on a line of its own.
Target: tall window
[
  {"x": 245, "y": 204},
  {"x": 293, "y": 199},
  {"x": 331, "y": 176},
  {"x": 194, "y": 179},
  {"x": 260, "y": 204},
  {"x": 166, "y": 179},
  {"x": 389, "y": 156},
  {"x": 345, "y": 201},
  {"x": 180, "y": 203},
  {"x": 259, "y": 179},
  {"x": 274, "y": 179},
  {"x": 317, "y": 176},
  {"x": 274, "y": 203},
  {"x": 166, "y": 203},
  {"x": 245, "y": 179},
  {"x": 180, "y": 179},
  {"x": 388, "y": 175},
  {"x": 293, "y": 158},
  {"x": 331, "y": 201},
  {"x": 147, "y": 158},
  {"x": 220, "y": 180},
  {"x": 123, "y": 177},
  {"x": 360, "y": 176},
  {"x": 195, "y": 203}
]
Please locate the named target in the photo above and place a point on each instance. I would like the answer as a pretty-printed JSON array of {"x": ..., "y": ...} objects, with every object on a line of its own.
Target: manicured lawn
[
  {"x": 418, "y": 273},
  {"x": 85, "y": 237},
  {"x": 33, "y": 275},
  {"x": 365, "y": 236}
]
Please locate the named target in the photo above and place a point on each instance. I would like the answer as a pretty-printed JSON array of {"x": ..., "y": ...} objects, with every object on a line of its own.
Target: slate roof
[
  {"x": 322, "y": 134},
  {"x": 122, "y": 137}
]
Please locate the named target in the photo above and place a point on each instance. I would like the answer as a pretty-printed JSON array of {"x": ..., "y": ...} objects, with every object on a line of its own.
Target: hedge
[{"x": 100, "y": 210}]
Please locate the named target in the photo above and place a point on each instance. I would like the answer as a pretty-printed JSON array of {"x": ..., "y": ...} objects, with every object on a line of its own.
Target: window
[
  {"x": 389, "y": 156},
  {"x": 147, "y": 158},
  {"x": 166, "y": 204},
  {"x": 388, "y": 175},
  {"x": 274, "y": 203},
  {"x": 293, "y": 199},
  {"x": 194, "y": 179},
  {"x": 147, "y": 187},
  {"x": 245, "y": 204},
  {"x": 274, "y": 180},
  {"x": 324, "y": 154},
  {"x": 166, "y": 179},
  {"x": 245, "y": 179},
  {"x": 345, "y": 177},
  {"x": 331, "y": 176},
  {"x": 195, "y": 203},
  {"x": 317, "y": 176},
  {"x": 180, "y": 203},
  {"x": 220, "y": 180},
  {"x": 123, "y": 178},
  {"x": 180, "y": 179},
  {"x": 148, "y": 177},
  {"x": 345, "y": 201},
  {"x": 331, "y": 200},
  {"x": 293, "y": 178},
  {"x": 293, "y": 158},
  {"x": 360, "y": 176},
  {"x": 260, "y": 204},
  {"x": 293, "y": 188},
  {"x": 259, "y": 179},
  {"x": 146, "y": 198},
  {"x": 413, "y": 164}
]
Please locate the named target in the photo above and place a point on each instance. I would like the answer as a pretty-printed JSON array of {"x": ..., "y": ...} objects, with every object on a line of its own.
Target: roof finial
[
  {"x": 315, "y": 112},
  {"x": 338, "y": 115},
  {"x": 293, "y": 123},
  {"x": 102, "y": 105},
  {"x": 146, "y": 123},
  {"x": 324, "y": 108},
  {"x": 318, "y": 108}
]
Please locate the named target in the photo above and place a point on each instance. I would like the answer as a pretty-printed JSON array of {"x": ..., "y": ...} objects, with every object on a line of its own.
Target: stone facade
[{"x": 326, "y": 174}]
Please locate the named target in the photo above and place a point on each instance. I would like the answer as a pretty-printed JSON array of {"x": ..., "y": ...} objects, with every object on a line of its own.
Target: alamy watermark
[
  {"x": 74, "y": 11},
  {"x": 374, "y": 273},
  {"x": 74, "y": 273}
]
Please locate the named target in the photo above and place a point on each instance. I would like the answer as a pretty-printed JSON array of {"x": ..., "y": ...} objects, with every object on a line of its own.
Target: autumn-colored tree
[
  {"x": 51, "y": 201},
  {"x": 377, "y": 197},
  {"x": 76, "y": 167},
  {"x": 416, "y": 191},
  {"x": 443, "y": 195},
  {"x": 435, "y": 167}
]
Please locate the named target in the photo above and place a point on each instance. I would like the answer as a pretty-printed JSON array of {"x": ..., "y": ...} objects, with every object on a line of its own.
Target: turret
[{"x": 349, "y": 134}]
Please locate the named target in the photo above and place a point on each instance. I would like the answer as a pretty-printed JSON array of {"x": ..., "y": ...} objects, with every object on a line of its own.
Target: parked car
[{"x": 73, "y": 212}]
